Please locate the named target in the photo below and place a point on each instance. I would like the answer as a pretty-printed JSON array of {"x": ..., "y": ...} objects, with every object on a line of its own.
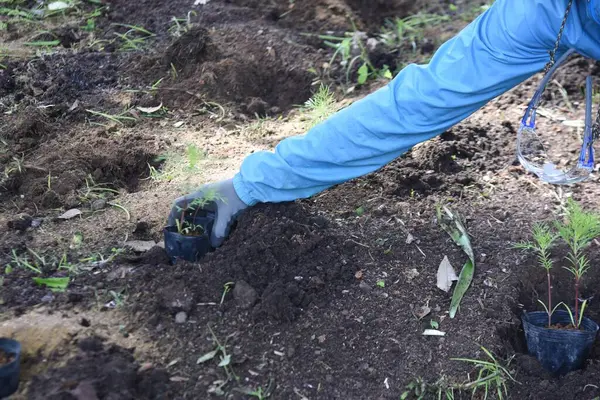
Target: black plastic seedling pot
[
  {"x": 560, "y": 351},
  {"x": 9, "y": 373},
  {"x": 189, "y": 248}
]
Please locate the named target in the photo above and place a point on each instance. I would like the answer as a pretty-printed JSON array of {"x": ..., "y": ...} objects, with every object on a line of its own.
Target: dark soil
[
  {"x": 312, "y": 299},
  {"x": 101, "y": 372}
]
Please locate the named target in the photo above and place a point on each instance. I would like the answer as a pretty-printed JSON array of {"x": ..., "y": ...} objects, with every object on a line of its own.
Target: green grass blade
[{"x": 42, "y": 43}]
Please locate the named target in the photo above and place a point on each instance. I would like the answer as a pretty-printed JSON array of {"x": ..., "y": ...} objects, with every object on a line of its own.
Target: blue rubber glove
[
  {"x": 500, "y": 49},
  {"x": 227, "y": 207}
]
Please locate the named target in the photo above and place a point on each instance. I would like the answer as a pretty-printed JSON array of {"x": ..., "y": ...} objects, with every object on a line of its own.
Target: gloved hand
[{"x": 226, "y": 205}]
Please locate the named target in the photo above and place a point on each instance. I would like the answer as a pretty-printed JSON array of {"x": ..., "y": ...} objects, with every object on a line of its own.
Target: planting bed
[{"x": 319, "y": 299}]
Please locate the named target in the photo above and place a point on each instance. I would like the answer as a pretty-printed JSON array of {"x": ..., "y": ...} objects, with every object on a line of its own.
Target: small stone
[
  {"x": 47, "y": 298},
  {"x": 364, "y": 287},
  {"x": 98, "y": 205},
  {"x": 244, "y": 294},
  {"x": 316, "y": 282},
  {"x": 290, "y": 352},
  {"x": 180, "y": 317}
]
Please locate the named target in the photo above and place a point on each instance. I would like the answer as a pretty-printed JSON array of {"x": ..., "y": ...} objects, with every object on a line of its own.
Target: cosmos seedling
[
  {"x": 543, "y": 240},
  {"x": 578, "y": 229},
  {"x": 185, "y": 225}
]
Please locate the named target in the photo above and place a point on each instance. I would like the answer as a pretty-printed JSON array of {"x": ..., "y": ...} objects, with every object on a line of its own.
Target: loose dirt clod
[{"x": 108, "y": 371}]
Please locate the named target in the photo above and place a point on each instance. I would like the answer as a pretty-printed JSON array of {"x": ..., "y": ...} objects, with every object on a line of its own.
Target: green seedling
[
  {"x": 43, "y": 43},
  {"x": 134, "y": 38},
  {"x": 118, "y": 119},
  {"x": 492, "y": 376},
  {"x": 221, "y": 351},
  {"x": 381, "y": 283},
  {"x": 226, "y": 289},
  {"x": 184, "y": 226},
  {"x": 24, "y": 262},
  {"x": 118, "y": 298},
  {"x": 94, "y": 191},
  {"x": 64, "y": 264},
  {"x": 417, "y": 389},
  {"x": 181, "y": 26},
  {"x": 343, "y": 50},
  {"x": 452, "y": 223},
  {"x": 90, "y": 25},
  {"x": 409, "y": 30},
  {"x": 578, "y": 231},
  {"x": 120, "y": 207},
  {"x": 194, "y": 155},
  {"x": 14, "y": 167},
  {"x": 259, "y": 393},
  {"x": 543, "y": 240},
  {"x": 174, "y": 73},
  {"x": 99, "y": 258},
  {"x": 320, "y": 106}
]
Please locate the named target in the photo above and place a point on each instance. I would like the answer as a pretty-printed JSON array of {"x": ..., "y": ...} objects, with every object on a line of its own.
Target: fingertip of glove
[{"x": 216, "y": 241}]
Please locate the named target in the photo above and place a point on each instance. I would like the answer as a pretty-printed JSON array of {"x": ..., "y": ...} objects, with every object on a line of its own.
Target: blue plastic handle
[{"x": 529, "y": 116}]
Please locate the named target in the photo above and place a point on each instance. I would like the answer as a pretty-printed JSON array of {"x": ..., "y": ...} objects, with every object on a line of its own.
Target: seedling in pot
[
  {"x": 10, "y": 360},
  {"x": 189, "y": 238},
  {"x": 578, "y": 232},
  {"x": 543, "y": 240},
  {"x": 185, "y": 223},
  {"x": 561, "y": 340}
]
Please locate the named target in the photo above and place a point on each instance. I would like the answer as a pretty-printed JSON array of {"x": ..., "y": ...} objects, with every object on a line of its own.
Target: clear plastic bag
[{"x": 531, "y": 152}]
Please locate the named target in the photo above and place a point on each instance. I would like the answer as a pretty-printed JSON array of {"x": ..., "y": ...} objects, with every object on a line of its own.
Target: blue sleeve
[{"x": 504, "y": 46}]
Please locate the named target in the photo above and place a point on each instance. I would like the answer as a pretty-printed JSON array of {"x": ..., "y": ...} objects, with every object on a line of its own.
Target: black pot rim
[
  {"x": 171, "y": 230},
  {"x": 584, "y": 331},
  {"x": 17, "y": 353}
]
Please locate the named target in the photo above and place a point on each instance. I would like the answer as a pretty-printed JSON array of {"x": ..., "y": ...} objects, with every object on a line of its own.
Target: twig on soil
[
  {"x": 302, "y": 397},
  {"x": 418, "y": 248},
  {"x": 360, "y": 244}
]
